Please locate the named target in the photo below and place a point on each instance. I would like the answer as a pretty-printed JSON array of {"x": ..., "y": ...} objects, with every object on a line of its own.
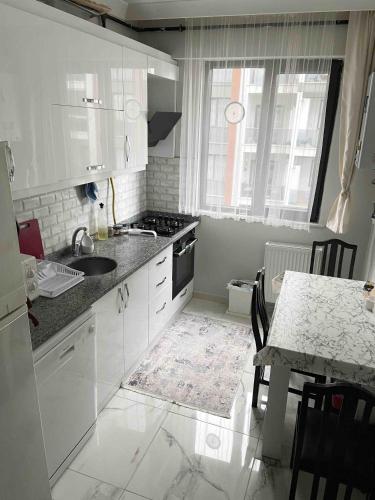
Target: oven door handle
[{"x": 188, "y": 248}]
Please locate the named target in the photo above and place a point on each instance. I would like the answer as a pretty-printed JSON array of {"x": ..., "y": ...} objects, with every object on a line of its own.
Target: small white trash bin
[{"x": 240, "y": 292}]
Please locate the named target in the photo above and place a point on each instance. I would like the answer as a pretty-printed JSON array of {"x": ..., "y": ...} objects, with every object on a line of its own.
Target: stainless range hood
[{"x": 161, "y": 125}]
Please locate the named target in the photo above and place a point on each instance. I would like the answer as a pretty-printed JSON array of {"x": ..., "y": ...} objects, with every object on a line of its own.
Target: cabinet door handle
[
  {"x": 122, "y": 299},
  {"x": 128, "y": 294},
  {"x": 92, "y": 100},
  {"x": 95, "y": 167},
  {"x": 11, "y": 165},
  {"x": 161, "y": 282},
  {"x": 162, "y": 308},
  {"x": 127, "y": 148},
  {"x": 183, "y": 294},
  {"x": 66, "y": 351},
  {"x": 161, "y": 261}
]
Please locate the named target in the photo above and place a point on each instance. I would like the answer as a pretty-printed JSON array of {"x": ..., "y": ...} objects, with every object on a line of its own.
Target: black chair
[
  {"x": 331, "y": 247},
  {"x": 335, "y": 444},
  {"x": 260, "y": 326}
]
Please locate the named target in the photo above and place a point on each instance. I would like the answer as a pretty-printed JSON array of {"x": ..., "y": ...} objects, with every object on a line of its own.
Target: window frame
[{"x": 266, "y": 120}]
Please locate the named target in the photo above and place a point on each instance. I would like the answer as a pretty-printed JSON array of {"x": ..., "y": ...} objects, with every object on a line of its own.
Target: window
[{"x": 273, "y": 162}]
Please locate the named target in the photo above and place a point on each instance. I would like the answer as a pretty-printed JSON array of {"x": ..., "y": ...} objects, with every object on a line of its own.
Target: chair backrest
[
  {"x": 259, "y": 324},
  {"x": 262, "y": 300},
  {"x": 330, "y": 250},
  {"x": 356, "y": 409}
]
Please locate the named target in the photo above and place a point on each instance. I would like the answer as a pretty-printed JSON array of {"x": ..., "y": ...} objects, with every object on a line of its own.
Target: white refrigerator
[{"x": 23, "y": 468}]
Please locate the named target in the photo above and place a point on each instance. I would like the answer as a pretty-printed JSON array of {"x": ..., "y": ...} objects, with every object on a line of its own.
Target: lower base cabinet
[
  {"x": 136, "y": 319},
  {"x": 66, "y": 378},
  {"x": 109, "y": 344}
]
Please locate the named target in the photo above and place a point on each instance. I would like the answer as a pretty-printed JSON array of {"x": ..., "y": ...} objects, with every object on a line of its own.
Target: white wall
[{"x": 229, "y": 249}]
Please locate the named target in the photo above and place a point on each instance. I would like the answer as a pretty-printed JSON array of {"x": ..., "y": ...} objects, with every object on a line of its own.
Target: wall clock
[{"x": 234, "y": 112}]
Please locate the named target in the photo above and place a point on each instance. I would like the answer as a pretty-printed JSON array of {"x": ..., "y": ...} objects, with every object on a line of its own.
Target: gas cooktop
[{"x": 162, "y": 224}]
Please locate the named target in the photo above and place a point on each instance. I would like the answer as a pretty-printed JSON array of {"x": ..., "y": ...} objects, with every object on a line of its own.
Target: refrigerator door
[
  {"x": 23, "y": 471},
  {"x": 12, "y": 288}
]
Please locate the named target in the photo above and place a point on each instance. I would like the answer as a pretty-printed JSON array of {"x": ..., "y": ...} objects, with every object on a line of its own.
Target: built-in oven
[{"x": 183, "y": 262}]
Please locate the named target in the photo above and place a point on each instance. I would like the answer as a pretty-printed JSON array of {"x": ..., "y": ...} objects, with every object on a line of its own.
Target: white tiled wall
[
  {"x": 163, "y": 184},
  {"x": 60, "y": 212}
]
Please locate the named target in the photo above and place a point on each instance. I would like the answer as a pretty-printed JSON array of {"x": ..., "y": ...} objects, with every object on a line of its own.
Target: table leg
[{"x": 273, "y": 426}]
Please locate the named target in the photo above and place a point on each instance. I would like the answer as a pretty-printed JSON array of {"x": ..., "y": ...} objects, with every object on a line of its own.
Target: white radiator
[{"x": 280, "y": 257}]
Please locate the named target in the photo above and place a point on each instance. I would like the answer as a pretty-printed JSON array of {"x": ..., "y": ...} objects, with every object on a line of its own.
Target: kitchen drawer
[
  {"x": 159, "y": 312},
  {"x": 160, "y": 272},
  {"x": 182, "y": 298}
]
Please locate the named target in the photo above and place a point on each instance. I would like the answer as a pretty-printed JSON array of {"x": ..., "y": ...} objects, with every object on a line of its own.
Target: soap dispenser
[
  {"x": 87, "y": 244},
  {"x": 102, "y": 223}
]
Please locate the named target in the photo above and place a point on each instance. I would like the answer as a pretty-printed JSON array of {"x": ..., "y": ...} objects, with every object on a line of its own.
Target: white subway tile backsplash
[
  {"x": 60, "y": 212},
  {"x": 31, "y": 203},
  {"x": 39, "y": 213},
  {"x": 163, "y": 184},
  {"x": 47, "y": 199}
]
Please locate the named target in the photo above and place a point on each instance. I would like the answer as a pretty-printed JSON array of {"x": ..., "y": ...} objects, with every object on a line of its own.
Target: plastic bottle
[{"x": 102, "y": 223}]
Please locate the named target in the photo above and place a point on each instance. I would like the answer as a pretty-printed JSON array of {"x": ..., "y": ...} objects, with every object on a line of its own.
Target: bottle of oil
[{"x": 102, "y": 223}]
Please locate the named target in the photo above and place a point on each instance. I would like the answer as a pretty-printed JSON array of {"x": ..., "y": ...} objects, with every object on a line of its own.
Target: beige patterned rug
[{"x": 197, "y": 362}]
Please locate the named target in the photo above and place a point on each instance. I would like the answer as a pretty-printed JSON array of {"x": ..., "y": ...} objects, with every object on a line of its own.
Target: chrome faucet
[{"x": 77, "y": 246}]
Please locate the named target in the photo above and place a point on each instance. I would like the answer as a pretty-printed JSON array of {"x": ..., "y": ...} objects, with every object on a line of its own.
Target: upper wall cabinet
[
  {"x": 25, "y": 116},
  {"x": 164, "y": 69},
  {"x": 85, "y": 70},
  {"x": 135, "y": 96}
]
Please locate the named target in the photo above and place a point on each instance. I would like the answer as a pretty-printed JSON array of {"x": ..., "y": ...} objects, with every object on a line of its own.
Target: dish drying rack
[{"x": 55, "y": 279}]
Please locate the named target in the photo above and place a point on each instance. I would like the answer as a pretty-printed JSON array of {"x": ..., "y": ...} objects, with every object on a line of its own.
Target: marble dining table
[{"x": 321, "y": 325}]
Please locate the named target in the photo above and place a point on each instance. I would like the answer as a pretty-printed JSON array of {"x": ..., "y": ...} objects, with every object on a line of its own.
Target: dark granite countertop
[{"x": 130, "y": 253}]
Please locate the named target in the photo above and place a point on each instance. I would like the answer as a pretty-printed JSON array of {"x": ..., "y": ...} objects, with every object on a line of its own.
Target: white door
[
  {"x": 135, "y": 316},
  {"x": 110, "y": 344},
  {"x": 135, "y": 96}
]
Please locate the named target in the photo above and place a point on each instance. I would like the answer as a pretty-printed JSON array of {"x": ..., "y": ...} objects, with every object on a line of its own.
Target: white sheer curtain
[
  {"x": 359, "y": 63},
  {"x": 254, "y": 101}
]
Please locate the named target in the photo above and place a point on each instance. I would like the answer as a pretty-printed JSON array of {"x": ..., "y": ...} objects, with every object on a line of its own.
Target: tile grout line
[
  {"x": 92, "y": 477},
  {"x": 146, "y": 450}
]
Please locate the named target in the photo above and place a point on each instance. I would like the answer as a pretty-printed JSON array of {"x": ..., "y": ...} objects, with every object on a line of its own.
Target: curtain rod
[{"x": 181, "y": 27}]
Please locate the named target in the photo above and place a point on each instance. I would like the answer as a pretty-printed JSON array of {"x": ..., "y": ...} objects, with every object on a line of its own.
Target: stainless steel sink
[{"x": 93, "y": 266}]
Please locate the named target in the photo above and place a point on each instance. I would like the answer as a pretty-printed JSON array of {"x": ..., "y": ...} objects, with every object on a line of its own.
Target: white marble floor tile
[
  {"x": 123, "y": 433},
  {"x": 143, "y": 398},
  {"x": 214, "y": 310},
  {"x": 75, "y": 486},
  {"x": 132, "y": 496},
  {"x": 243, "y": 418},
  {"x": 272, "y": 482},
  {"x": 195, "y": 460}
]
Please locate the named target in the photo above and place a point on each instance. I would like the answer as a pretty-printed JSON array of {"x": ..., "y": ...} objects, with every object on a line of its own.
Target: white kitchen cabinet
[
  {"x": 86, "y": 70},
  {"x": 88, "y": 142},
  {"x": 25, "y": 118},
  {"x": 160, "y": 272},
  {"x": 110, "y": 344},
  {"x": 163, "y": 69},
  {"x": 135, "y": 97},
  {"x": 66, "y": 378},
  {"x": 135, "y": 316},
  {"x": 159, "y": 312}
]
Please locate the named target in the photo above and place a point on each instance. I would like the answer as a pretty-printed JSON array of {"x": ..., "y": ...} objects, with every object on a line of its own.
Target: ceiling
[{"x": 174, "y": 9}]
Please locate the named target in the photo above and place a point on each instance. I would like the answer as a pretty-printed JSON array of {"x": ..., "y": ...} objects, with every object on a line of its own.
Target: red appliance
[{"x": 30, "y": 239}]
